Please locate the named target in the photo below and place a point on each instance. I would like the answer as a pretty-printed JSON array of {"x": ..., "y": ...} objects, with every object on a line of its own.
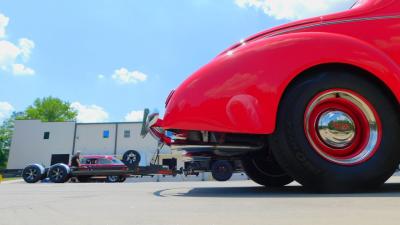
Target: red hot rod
[{"x": 315, "y": 100}]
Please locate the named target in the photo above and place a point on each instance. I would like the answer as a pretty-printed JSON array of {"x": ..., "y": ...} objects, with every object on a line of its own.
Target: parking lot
[{"x": 208, "y": 202}]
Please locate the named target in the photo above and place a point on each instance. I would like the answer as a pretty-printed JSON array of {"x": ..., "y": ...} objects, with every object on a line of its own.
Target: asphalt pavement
[{"x": 190, "y": 203}]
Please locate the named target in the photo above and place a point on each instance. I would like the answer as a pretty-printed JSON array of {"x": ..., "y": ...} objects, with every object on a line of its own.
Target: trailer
[{"x": 105, "y": 167}]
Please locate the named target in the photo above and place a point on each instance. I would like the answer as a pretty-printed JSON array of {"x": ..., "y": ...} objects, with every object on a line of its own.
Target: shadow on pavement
[{"x": 387, "y": 190}]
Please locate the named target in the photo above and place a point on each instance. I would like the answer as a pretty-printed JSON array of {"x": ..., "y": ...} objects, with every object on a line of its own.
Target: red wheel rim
[{"x": 342, "y": 127}]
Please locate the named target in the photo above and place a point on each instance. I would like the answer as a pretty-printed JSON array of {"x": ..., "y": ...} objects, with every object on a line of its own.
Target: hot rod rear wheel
[
  {"x": 263, "y": 169},
  {"x": 337, "y": 131}
]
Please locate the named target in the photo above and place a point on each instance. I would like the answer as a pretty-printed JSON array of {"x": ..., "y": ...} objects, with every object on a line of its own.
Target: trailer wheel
[
  {"x": 263, "y": 169},
  {"x": 33, "y": 173},
  {"x": 337, "y": 131},
  {"x": 131, "y": 158},
  {"x": 221, "y": 170},
  {"x": 59, "y": 173}
]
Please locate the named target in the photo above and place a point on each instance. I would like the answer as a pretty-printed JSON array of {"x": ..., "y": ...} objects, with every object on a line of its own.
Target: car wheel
[
  {"x": 33, "y": 173},
  {"x": 131, "y": 158},
  {"x": 337, "y": 131},
  {"x": 112, "y": 179},
  {"x": 59, "y": 173},
  {"x": 221, "y": 170},
  {"x": 262, "y": 168},
  {"x": 121, "y": 179}
]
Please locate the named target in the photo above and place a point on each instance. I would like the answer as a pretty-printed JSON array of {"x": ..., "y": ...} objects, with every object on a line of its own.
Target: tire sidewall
[{"x": 300, "y": 159}]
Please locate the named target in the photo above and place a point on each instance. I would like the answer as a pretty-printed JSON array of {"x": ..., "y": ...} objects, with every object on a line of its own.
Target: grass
[{"x": 11, "y": 178}]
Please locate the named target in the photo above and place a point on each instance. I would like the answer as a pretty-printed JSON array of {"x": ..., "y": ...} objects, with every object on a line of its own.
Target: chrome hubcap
[
  {"x": 131, "y": 158},
  {"x": 336, "y": 129},
  {"x": 31, "y": 174},
  {"x": 342, "y": 127}
]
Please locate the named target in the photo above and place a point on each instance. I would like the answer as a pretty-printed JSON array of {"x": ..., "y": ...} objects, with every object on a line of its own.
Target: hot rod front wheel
[{"x": 337, "y": 131}]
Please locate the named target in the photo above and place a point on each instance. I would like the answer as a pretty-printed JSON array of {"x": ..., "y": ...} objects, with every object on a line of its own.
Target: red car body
[
  {"x": 101, "y": 165},
  {"x": 314, "y": 100},
  {"x": 240, "y": 90}
]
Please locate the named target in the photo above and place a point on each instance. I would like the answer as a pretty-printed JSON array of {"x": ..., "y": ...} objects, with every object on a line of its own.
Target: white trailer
[{"x": 45, "y": 143}]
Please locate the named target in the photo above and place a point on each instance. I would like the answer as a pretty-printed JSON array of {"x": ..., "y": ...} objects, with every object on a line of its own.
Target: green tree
[
  {"x": 50, "y": 109},
  {"x": 6, "y": 131}
]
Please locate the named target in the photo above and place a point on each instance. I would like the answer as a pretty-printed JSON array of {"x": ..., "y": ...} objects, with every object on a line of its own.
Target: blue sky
[{"x": 112, "y": 58}]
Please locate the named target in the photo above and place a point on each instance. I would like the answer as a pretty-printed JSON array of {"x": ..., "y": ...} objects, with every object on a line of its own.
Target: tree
[
  {"x": 50, "y": 109},
  {"x": 6, "y": 131}
]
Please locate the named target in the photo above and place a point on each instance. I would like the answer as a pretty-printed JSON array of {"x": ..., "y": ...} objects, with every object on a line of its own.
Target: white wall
[
  {"x": 89, "y": 139},
  {"x": 28, "y": 145}
]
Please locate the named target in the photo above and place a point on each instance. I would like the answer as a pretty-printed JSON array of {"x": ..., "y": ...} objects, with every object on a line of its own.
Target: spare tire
[
  {"x": 131, "y": 158},
  {"x": 33, "y": 173},
  {"x": 59, "y": 173},
  {"x": 221, "y": 170}
]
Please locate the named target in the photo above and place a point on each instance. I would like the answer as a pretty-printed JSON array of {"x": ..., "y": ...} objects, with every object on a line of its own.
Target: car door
[{"x": 107, "y": 164}]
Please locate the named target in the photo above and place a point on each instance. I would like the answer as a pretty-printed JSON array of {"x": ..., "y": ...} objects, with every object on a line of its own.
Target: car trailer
[{"x": 61, "y": 173}]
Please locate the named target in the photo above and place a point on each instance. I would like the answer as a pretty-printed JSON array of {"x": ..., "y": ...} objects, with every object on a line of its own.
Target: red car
[
  {"x": 101, "y": 166},
  {"x": 315, "y": 100}
]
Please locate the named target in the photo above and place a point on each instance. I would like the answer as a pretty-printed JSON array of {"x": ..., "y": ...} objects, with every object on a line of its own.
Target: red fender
[{"x": 239, "y": 91}]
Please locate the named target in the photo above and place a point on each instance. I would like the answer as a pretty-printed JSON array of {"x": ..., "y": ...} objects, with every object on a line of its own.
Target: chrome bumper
[{"x": 153, "y": 124}]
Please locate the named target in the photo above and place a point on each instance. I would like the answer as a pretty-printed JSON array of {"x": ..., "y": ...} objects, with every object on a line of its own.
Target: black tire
[
  {"x": 59, "y": 173},
  {"x": 112, "y": 179},
  {"x": 83, "y": 179},
  {"x": 262, "y": 168},
  {"x": 293, "y": 151},
  {"x": 221, "y": 170},
  {"x": 131, "y": 158},
  {"x": 33, "y": 173},
  {"x": 122, "y": 179}
]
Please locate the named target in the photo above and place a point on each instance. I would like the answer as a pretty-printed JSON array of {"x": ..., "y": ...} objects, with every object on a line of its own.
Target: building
[{"x": 34, "y": 141}]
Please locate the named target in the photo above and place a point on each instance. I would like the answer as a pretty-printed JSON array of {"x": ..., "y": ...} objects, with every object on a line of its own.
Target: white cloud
[
  {"x": 3, "y": 24},
  {"x": 134, "y": 116},
  {"x": 5, "y": 110},
  {"x": 8, "y": 54},
  {"x": 90, "y": 113},
  {"x": 296, "y": 9},
  {"x": 100, "y": 76},
  {"x": 26, "y": 46},
  {"x": 20, "y": 69},
  {"x": 11, "y": 54},
  {"x": 123, "y": 76}
]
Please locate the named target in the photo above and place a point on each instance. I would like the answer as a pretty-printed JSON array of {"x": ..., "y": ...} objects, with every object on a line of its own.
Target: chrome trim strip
[{"x": 322, "y": 23}]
